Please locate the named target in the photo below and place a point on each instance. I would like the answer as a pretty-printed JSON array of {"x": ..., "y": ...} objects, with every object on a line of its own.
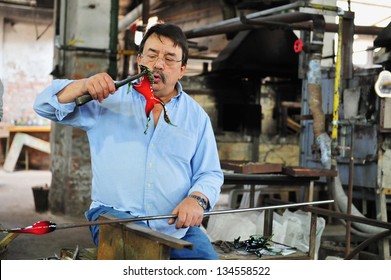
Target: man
[{"x": 169, "y": 169}]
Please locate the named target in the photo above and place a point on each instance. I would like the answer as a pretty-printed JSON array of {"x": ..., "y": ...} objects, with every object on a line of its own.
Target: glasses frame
[{"x": 169, "y": 64}]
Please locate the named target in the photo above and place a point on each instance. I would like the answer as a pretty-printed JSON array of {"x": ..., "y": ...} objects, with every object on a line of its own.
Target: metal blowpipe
[{"x": 43, "y": 227}]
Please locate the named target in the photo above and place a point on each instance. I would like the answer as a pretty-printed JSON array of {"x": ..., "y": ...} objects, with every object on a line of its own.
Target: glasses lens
[{"x": 152, "y": 58}]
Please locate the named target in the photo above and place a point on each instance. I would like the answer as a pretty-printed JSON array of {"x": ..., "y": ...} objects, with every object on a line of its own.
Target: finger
[
  {"x": 92, "y": 87},
  {"x": 172, "y": 220},
  {"x": 199, "y": 221},
  {"x": 91, "y": 90},
  {"x": 196, "y": 221},
  {"x": 110, "y": 84},
  {"x": 189, "y": 222},
  {"x": 102, "y": 88},
  {"x": 107, "y": 85},
  {"x": 180, "y": 221}
]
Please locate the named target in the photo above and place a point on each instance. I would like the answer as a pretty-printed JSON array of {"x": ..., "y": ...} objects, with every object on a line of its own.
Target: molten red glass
[
  {"x": 145, "y": 88},
  {"x": 38, "y": 228}
]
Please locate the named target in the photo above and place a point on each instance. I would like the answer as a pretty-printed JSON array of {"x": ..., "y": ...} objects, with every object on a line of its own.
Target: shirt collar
[{"x": 179, "y": 89}]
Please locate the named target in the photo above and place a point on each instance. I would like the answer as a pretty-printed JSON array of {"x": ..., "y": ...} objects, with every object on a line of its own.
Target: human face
[{"x": 156, "y": 51}]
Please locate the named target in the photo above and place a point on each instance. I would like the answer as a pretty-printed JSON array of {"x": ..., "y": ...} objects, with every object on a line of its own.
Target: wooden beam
[
  {"x": 19, "y": 140},
  {"x": 251, "y": 167}
]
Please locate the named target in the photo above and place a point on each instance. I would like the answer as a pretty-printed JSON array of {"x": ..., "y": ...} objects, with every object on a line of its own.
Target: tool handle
[{"x": 81, "y": 100}]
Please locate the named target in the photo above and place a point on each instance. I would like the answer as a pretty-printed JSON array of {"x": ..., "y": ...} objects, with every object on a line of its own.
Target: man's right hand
[{"x": 99, "y": 86}]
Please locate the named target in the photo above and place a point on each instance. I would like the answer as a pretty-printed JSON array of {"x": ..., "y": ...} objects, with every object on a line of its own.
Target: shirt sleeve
[{"x": 47, "y": 105}]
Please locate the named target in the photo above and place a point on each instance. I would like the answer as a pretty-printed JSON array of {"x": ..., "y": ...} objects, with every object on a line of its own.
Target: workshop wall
[{"x": 26, "y": 55}]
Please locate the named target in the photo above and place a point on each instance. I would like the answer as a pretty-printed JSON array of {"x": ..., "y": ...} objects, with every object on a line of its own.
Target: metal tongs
[{"x": 86, "y": 97}]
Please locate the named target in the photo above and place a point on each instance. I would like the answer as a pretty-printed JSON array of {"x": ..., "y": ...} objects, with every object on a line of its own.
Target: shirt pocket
[{"x": 179, "y": 144}]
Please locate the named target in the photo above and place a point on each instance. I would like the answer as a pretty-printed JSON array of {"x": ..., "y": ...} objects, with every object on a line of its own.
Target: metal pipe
[
  {"x": 333, "y": 28},
  {"x": 145, "y": 12},
  {"x": 303, "y": 21},
  {"x": 337, "y": 85},
  {"x": 236, "y": 20},
  {"x": 46, "y": 226},
  {"x": 133, "y": 16},
  {"x": 113, "y": 39},
  {"x": 297, "y": 20},
  {"x": 314, "y": 86},
  {"x": 350, "y": 189},
  {"x": 278, "y": 20},
  {"x": 237, "y": 25},
  {"x": 366, "y": 243}
]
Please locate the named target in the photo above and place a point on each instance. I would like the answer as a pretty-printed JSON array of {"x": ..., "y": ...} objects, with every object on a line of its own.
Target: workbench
[
  {"x": 129, "y": 241},
  {"x": 28, "y": 129},
  {"x": 27, "y": 139}
]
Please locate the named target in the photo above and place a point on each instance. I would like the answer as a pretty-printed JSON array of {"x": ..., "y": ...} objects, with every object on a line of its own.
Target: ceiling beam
[{"x": 26, "y": 13}]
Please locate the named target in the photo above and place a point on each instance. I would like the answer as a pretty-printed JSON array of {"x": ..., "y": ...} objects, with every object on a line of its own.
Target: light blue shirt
[{"x": 145, "y": 174}]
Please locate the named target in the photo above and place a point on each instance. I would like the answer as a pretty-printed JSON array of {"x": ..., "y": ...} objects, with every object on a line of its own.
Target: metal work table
[
  {"x": 276, "y": 180},
  {"x": 266, "y": 179}
]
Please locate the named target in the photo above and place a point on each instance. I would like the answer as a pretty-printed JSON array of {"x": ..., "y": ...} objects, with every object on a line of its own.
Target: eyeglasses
[{"x": 169, "y": 60}]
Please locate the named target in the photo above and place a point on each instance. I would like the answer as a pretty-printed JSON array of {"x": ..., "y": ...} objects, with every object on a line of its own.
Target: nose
[{"x": 159, "y": 63}]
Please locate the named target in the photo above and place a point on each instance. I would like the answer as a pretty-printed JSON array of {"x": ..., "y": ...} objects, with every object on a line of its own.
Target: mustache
[{"x": 162, "y": 76}]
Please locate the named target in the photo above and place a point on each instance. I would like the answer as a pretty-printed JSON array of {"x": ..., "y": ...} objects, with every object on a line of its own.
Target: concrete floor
[{"x": 17, "y": 209}]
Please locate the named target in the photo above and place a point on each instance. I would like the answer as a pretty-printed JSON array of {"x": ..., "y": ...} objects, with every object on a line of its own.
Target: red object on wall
[{"x": 298, "y": 46}]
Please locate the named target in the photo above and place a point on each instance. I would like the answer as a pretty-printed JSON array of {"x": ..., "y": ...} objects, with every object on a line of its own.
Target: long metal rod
[
  {"x": 43, "y": 227},
  {"x": 169, "y": 216}
]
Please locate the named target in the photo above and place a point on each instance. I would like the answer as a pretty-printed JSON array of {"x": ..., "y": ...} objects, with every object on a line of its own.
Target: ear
[
  {"x": 138, "y": 59},
  {"x": 182, "y": 72}
]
